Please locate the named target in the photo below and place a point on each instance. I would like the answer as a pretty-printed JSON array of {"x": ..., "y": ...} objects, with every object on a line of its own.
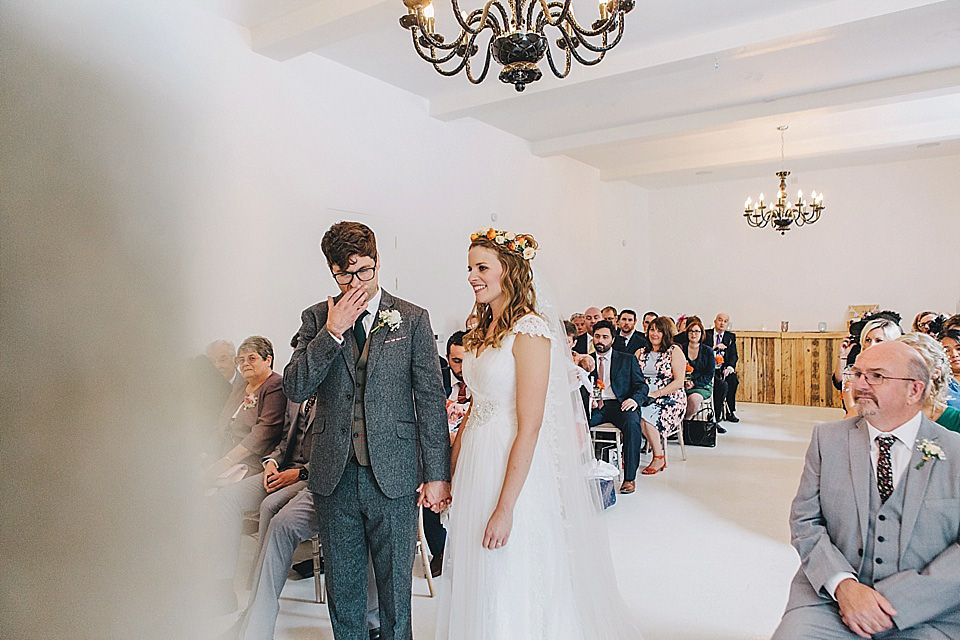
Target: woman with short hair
[{"x": 251, "y": 422}]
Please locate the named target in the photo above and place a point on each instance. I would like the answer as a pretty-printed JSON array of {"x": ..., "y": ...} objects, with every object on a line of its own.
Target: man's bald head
[{"x": 592, "y": 315}]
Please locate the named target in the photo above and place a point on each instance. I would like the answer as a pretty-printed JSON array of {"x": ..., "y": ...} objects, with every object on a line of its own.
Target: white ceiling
[{"x": 694, "y": 92}]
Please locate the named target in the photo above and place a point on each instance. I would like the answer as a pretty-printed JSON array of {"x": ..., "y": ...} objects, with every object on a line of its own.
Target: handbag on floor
[{"x": 700, "y": 433}]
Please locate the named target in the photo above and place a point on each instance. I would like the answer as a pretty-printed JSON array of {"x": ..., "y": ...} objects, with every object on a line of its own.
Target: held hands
[
  {"x": 498, "y": 529},
  {"x": 864, "y": 610},
  {"x": 342, "y": 315},
  {"x": 628, "y": 405},
  {"x": 434, "y": 496}
]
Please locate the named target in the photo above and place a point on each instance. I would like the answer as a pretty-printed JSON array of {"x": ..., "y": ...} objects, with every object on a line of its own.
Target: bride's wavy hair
[{"x": 517, "y": 285}]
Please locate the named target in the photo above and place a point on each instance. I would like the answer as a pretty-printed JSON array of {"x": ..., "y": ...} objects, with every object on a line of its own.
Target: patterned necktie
[
  {"x": 884, "y": 467},
  {"x": 358, "y": 331},
  {"x": 462, "y": 393}
]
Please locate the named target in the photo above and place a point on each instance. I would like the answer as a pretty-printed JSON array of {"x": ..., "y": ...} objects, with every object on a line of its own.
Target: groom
[{"x": 380, "y": 444}]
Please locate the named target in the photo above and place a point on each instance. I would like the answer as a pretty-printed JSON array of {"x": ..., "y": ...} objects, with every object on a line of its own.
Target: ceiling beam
[
  {"x": 839, "y": 99},
  {"x": 745, "y": 39},
  {"x": 319, "y": 24}
]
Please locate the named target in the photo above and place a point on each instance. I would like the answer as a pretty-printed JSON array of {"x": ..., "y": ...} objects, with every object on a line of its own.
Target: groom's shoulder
[
  {"x": 410, "y": 308},
  {"x": 318, "y": 309}
]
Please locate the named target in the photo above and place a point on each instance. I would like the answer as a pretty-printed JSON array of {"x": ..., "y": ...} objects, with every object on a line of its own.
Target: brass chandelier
[
  {"x": 783, "y": 214},
  {"x": 517, "y": 37}
]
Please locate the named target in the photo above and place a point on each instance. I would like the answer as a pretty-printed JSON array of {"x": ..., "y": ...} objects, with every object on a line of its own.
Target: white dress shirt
[
  {"x": 605, "y": 358},
  {"x": 373, "y": 306},
  {"x": 900, "y": 454}
]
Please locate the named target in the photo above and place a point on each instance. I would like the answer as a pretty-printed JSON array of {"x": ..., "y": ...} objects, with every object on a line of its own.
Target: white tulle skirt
[{"x": 522, "y": 590}]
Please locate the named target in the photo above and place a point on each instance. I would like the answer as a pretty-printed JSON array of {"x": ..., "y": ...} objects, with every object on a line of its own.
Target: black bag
[{"x": 700, "y": 433}]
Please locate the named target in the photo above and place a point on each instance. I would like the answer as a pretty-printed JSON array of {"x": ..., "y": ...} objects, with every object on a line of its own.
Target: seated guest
[
  {"x": 622, "y": 391},
  {"x": 472, "y": 321},
  {"x": 610, "y": 315},
  {"x": 934, "y": 355},
  {"x": 458, "y": 401},
  {"x": 875, "y": 520},
  {"x": 628, "y": 339},
  {"x": 851, "y": 346},
  {"x": 953, "y": 322},
  {"x": 580, "y": 323},
  {"x": 223, "y": 355},
  {"x": 699, "y": 386},
  {"x": 874, "y": 332},
  {"x": 295, "y": 523},
  {"x": 928, "y": 322},
  {"x": 251, "y": 422},
  {"x": 951, "y": 344},
  {"x": 284, "y": 474},
  {"x": 585, "y": 366},
  {"x": 663, "y": 365},
  {"x": 681, "y": 337},
  {"x": 725, "y": 380},
  {"x": 585, "y": 342},
  {"x": 648, "y": 317}
]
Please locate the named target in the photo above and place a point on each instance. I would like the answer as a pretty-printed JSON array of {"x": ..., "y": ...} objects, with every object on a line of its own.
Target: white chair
[
  {"x": 608, "y": 428},
  {"x": 320, "y": 582}
]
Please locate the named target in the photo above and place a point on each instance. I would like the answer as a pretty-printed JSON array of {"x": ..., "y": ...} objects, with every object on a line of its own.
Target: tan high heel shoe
[{"x": 649, "y": 470}]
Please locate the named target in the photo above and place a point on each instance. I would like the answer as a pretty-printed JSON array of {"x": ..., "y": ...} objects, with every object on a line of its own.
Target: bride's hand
[{"x": 498, "y": 529}]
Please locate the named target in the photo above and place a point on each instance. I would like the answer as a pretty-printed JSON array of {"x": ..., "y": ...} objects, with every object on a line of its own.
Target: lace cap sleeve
[{"x": 533, "y": 325}]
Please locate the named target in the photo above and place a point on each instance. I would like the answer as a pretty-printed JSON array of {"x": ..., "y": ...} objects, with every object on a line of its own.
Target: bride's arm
[{"x": 532, "y": 354}]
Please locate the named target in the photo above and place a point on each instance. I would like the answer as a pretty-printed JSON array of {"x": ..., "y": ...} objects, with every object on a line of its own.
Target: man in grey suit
[
  {"x": 876, "y": 520},
  {"x": 380, "y": 444}
]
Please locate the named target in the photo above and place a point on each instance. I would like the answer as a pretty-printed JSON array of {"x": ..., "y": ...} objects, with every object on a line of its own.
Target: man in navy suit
[
  {"x": 725, "y": 382},
  {"x": 622, "y": 391},
  {"x": 628, "y": 339}
]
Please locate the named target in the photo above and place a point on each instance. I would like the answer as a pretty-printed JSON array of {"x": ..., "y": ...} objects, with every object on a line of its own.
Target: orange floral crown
[{"x": 520, "y": 243}]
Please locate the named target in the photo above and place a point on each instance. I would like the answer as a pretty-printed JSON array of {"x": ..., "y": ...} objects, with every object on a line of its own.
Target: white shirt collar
[
  {"x": 905, "y": 433},
  {"x": 374, "y": 305}
]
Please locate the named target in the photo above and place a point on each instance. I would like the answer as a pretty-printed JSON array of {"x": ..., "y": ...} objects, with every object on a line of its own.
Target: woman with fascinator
[{"x": 528, "y": 554}]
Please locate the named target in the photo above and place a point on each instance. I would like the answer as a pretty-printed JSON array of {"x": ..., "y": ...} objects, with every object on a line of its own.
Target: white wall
[
  {"x": 890, "y": 235},
  {"x": 291, "y": 148}
]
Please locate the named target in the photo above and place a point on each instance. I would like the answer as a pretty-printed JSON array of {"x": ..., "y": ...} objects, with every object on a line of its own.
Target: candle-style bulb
[{"x": 428, "y": 11}]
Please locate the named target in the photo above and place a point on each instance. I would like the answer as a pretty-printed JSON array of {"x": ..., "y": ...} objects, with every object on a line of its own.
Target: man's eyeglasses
[
  {"x": 873, "y": 378},
  {"x": 363, "y": 275}
]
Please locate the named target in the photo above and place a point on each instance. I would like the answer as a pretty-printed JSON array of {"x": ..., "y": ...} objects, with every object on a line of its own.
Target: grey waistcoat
[
  {"x": 361, "y": 449},
  {"x": 881, "y": 551}
]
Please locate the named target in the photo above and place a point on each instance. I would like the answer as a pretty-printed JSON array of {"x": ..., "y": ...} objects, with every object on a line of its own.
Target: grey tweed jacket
[
  {"x": 829, "y": 521},
  {"x": 404, "y": 401}
]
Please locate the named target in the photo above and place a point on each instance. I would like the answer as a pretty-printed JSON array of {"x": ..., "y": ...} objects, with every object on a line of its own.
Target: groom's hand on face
[{"x": 344, "y": 313}]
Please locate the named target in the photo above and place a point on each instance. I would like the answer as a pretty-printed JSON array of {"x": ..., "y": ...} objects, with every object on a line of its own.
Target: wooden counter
[{"x": 788, "y": 368}]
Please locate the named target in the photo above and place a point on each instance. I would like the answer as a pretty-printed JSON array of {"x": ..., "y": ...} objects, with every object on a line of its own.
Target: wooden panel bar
[{"x": 788, "y": 367}]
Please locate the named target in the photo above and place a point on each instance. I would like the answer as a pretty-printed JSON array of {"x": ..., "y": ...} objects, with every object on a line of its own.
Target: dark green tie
[{"x": 358, "y": 331}]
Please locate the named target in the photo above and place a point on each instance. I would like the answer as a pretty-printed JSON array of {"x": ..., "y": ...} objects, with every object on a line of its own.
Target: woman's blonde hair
[
  {"x": 935, "y": 356},
  {"x": 891, "y": 330},
  {"x": 517, "y": 285}
]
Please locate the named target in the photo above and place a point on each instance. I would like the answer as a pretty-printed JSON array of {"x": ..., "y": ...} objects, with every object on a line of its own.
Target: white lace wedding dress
[{"x": 553, "y": 577}]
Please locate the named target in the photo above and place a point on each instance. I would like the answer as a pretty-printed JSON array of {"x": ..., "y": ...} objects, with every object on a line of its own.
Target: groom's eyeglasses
[
  {"x": 873, "y": 378},
  {"x": 363, "y": 275}
]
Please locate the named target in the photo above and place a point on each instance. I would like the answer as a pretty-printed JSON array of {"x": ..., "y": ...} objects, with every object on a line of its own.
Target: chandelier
[
  {"x": 783, "y": 213},
  {"x": 517, "y": 39}
]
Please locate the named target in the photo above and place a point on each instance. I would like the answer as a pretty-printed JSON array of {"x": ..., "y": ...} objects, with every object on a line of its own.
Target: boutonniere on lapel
[
  {"x": 249, "y": 401},
  {"x": 931, "y": 451},
  {"x": 390, "y": 318}
]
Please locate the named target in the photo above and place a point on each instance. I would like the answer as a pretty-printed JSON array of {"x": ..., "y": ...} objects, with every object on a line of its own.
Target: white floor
[{"x": 703, "y": 549}]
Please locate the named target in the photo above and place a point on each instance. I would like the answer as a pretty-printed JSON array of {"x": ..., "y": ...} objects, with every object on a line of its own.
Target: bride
[{"x": 527, "y": 554}]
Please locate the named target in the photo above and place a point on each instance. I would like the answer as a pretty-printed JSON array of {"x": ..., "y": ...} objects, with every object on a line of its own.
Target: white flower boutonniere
[
  {"x": 931, "y": 451},
  {"x": 390, "y": 319},
  {"x": 249, "y": 401}
]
